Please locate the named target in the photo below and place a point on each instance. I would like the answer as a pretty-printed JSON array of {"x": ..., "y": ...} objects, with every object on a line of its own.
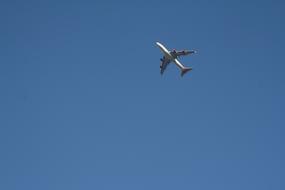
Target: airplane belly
[
  {"x": 164, "y": 50},
  {"x": 168, "y": 56}
]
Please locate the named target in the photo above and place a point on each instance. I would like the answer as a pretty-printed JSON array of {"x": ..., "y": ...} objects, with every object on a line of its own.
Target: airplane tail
[{"x": 185, "y": 70}]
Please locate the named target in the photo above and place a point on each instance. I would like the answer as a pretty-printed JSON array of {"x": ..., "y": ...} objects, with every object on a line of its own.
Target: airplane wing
[
  {"x": 183, "y": 52},
  {"x": 163, "y": 66}
]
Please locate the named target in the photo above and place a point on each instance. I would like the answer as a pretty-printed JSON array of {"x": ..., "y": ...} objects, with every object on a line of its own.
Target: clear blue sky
[{"x": 83, "y": 105}]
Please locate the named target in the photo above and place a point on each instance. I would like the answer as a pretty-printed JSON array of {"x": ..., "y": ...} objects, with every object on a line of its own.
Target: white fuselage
[{"x": 167, "y": 53}]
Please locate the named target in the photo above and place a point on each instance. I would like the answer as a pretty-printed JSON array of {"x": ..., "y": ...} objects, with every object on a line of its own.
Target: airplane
[{"x": 171, "y": 56}]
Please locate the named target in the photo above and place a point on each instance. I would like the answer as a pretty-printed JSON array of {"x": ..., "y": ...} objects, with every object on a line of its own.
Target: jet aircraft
[{"x": 171, "y": 56}]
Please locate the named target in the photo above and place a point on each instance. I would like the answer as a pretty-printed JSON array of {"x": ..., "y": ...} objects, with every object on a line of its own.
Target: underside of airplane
[{"x": 172, "y": 57}]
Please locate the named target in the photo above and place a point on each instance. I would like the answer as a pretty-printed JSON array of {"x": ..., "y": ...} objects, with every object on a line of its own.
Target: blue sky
[{"x": 83, "y": 105}]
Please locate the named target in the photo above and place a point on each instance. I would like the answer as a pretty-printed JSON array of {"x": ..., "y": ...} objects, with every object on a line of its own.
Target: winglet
[{"x": 185, "y": 70}]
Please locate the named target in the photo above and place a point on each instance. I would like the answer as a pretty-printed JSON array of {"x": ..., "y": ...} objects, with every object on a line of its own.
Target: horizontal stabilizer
[{"x": 185, "y": 70}]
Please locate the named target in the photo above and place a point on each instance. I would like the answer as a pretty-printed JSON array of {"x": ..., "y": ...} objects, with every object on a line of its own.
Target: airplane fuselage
[
  {"x": 171, "y": 56},
  {"x": 167, "y": 53}
]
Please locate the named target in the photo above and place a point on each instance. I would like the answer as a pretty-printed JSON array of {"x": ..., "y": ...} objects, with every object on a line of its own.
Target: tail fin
[{"x": 185, "y": 70}]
